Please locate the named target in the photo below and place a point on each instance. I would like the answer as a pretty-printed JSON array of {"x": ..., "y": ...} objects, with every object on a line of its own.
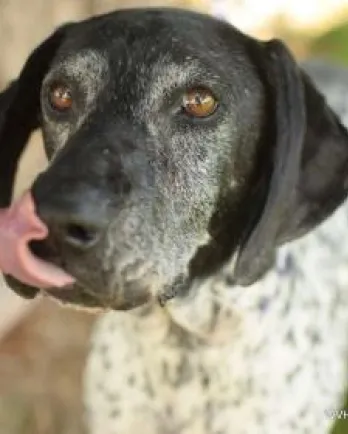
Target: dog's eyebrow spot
[
  {"x": 166, "y": 76},
  {"x": 89, "y": 68}
]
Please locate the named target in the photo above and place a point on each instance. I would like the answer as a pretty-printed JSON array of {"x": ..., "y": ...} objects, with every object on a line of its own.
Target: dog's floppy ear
[
  {"x": 20, "y": 110},
  {"x": 308, "y": 174}
]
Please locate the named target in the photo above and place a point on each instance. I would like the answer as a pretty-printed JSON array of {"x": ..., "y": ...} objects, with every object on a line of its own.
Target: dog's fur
[{"x": 175, "y": 202}]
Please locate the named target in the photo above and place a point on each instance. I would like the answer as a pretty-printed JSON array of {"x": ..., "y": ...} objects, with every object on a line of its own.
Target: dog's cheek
[
  {"x": 138, "y": 239},
  {"x": 55, "y": 137}
]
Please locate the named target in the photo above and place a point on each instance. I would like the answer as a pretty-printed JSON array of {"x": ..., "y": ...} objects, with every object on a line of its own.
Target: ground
[{"x": 41, "y": 363}]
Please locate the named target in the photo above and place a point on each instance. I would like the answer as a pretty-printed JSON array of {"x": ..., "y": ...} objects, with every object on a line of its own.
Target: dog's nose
[{"x": 75, "y": 218}]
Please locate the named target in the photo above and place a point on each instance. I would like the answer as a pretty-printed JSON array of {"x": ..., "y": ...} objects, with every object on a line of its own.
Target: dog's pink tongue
[{"x": 19, "y": 225}]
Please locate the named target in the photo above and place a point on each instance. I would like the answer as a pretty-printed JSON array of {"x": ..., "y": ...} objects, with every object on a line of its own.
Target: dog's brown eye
[
  {"x": 60, "y": 97},
  {"x": 199, "y": 102}
]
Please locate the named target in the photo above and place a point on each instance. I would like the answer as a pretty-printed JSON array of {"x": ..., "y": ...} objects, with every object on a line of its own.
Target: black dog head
[{"x": 176, "y": 143}]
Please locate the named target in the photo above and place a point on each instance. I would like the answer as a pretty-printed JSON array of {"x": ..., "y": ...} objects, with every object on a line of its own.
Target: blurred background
[{"x": 43, "y": 346}]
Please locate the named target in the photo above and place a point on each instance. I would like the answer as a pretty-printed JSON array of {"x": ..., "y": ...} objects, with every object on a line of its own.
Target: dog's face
[
  {"x": 156, "y": 124},
  {"x": 151, "y": 128}
]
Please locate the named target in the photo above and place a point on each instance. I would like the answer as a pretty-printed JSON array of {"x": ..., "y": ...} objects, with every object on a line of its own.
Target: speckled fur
[{"x": 270, "y": 358}]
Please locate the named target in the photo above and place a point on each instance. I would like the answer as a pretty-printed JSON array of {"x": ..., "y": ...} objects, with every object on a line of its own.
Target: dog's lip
[
  {"x": 77, "y": 296},
  {"x": 30, "y": 292},
  {"x": 131, "y": 289}
]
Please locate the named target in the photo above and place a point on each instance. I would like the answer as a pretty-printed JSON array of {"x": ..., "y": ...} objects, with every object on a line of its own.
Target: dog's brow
[
  {"x": 90, "y": 62},
  {"x": 166, "y": 76},
  {"x": 89, "y": 68}
]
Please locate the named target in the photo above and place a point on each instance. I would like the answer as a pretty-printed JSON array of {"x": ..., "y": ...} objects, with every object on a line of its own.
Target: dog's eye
[
  {"x": 60, "y": 97},
  {"x": 199, "y": 102}
]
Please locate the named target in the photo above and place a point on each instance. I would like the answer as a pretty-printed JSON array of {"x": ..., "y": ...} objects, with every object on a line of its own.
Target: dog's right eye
[{"x": 60, "y": 97}]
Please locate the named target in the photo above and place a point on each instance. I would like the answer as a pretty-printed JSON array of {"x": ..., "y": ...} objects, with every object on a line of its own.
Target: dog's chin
[{"x": 82, "y": 298}]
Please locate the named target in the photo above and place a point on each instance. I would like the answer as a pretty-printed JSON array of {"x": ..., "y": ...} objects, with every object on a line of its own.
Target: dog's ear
[
  {"x": 20, "y": 110},
  {"x": 308, "y": 172}
]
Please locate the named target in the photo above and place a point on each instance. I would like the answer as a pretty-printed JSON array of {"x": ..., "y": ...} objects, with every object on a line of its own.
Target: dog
[{"x": 195, "y": 190}]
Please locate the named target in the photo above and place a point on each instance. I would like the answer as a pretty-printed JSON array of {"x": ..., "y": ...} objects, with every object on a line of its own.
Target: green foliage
[{"x": 333, "y": 44}]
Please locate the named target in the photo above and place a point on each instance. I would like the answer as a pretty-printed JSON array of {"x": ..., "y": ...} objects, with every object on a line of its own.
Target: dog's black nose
[{"x": 75, "y": 218}]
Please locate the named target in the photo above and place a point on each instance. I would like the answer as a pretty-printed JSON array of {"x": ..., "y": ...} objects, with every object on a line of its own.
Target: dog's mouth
[
  {"x": 73, "y": 294},
  {"x": 82, "y": 297},
  {"x": 24, "y": 269},
  {"x": 31, "y": 262}
]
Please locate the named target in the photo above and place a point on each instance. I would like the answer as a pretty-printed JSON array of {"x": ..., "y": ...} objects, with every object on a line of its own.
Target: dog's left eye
[
  {"x": 60, "y": 97},
  {"x": 199, "y": 102}
]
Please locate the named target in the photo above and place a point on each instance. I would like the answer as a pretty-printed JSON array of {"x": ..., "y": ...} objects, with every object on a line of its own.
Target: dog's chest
[
  {"x": 160, "y": 379},
  {"x": 268, "y": 358}
]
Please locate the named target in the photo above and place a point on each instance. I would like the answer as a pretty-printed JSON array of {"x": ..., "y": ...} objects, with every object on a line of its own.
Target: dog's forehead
[
  {"x": 139, "y": 56},
  {"x": 87, "y": 63},
  {"x": 145, "y": 36}
]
